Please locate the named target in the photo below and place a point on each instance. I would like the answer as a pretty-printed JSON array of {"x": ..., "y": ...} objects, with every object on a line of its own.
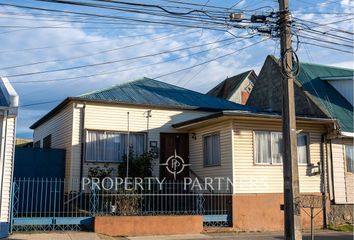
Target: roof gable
[{"x": 226, "y": 88}]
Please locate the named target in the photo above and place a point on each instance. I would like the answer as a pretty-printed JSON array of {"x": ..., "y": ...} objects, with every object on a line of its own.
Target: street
[{"x": 323, "y": 235}]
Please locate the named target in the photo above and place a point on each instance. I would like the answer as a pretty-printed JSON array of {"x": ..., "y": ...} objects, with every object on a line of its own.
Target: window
[
  {"x": 268, "y": 147},
  {"x": 47, "y": 142},
  {"x": 349, "y": 158},
  {"x": 211, "y": 145},
  {"x": 104, "y": 146},
  {"x": 302, "y": 148}
]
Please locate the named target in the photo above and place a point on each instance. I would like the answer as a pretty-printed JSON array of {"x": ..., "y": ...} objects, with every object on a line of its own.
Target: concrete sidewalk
[{"x": 320, "y": 235}]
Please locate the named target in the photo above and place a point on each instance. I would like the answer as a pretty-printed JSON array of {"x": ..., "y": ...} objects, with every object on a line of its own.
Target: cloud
[{"x": 153, "y": 40}]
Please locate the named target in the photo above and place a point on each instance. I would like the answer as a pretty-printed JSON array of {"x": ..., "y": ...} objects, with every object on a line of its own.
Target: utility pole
[{"x": 292, "y": 218}]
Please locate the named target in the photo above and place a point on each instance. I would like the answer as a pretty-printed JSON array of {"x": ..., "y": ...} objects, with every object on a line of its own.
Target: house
[
  {"x": 324, "y": 92},
  {"x": 247, "y": 149},
  {"x": 77, "y": 123},
  {"x": 8, "y": 112},
  {"x": 215, "y": 137},
  {"x": 235, "y": 89}
]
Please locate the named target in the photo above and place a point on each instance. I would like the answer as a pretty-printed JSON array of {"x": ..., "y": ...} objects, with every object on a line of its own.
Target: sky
[{"x": 79, "y": 54}]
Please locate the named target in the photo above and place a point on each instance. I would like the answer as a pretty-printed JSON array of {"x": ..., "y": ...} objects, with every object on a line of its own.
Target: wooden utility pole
[{"x": 292, "y": 218}]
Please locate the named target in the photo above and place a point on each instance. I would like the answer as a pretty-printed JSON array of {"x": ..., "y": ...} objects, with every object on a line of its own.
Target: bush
[{"x": 139, "y": 166}]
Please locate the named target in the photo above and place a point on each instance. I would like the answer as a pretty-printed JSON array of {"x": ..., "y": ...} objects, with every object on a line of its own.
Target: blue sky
[{"x": 67, "y": 41}]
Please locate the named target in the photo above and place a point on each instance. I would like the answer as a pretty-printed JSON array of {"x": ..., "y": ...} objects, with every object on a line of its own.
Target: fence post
[
  {"x": 200, "y": 203},
  {"x": 93, "y": 201},
  {"x": 14, "y": 201}
]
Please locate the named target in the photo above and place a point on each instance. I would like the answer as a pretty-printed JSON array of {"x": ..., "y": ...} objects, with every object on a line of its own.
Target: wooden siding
[
  {"x": 8, "y": 167},
  {"x": 252, "y": 178},
  {"x": 60, "y": 127},
  {"x": 114, "y": 118},
  {"x": 349, "y": 177},
  {"x": 338, "y": 171},
  {"x": 196, "y": 151}
]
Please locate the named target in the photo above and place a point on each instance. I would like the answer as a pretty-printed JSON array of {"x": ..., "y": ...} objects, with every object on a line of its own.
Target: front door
[{"x": 174, "y": 160}]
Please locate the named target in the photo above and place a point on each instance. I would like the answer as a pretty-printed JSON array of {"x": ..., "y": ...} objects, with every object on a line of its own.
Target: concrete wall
[
  {"x": 148, "y": 225},
  {"x": 341, "y": 214},
  {"x": 261, "y": 212}
]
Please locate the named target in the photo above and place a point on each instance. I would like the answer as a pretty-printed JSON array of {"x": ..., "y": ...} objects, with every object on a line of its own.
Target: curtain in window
[
  {"x": 95, "y": 146},
  {"x": 112, "y": 146},
  {"x": 302, "y": 148},
  {"x": 137, "y": 143},
  {"x": 277, "y": 147},
  {"x": 349, "y": 156},
  {"x": 212, "y": 150},
  {"x": 262, "y": 147}
]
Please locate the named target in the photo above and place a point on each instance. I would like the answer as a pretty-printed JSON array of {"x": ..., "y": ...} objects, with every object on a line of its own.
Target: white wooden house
[{"x": 8, "y": 113}]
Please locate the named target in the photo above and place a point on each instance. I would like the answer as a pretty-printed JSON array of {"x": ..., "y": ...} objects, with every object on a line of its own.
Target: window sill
[
  {"x": 214, "y": 165},
  {"x": 88, "y": 161}
]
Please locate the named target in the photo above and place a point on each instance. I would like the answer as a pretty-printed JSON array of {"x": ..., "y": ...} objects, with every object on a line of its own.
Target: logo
[{"x": 175, "y": 164}]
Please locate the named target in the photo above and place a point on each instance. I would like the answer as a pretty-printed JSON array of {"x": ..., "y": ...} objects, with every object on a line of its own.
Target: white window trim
[
  {"x": 105, "y": 132},
  {"x": 280, "y": 164},
  {"x": 208, "y": 135}
]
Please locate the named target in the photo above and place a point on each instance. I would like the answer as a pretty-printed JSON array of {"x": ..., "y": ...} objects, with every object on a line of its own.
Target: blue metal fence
[{"x": 51, "y": 204}]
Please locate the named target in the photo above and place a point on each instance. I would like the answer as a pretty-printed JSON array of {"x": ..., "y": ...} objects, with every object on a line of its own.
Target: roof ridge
[
  {"x": 113, "y": 86},
  {"x": 327, "y": 66}
]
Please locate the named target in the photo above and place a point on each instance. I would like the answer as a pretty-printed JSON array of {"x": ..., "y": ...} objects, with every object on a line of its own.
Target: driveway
[{"x": 323, "y": 235}]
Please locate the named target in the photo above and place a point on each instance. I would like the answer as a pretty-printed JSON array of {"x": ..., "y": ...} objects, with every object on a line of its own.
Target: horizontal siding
[
  {"x": 8, "y": 166},
  {"x": 114, "y": 118},
  {"x": 338, "y": 171},
  {"x": 60, "y": 127},
  {"x": 349, "y": 177},
  {"x": 251, "y": 178},
  {"x": 196, "y": 152}
]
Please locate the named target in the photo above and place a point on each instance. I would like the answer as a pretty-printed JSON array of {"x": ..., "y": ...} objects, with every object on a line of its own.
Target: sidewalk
[{"x": 320, "y": 235}]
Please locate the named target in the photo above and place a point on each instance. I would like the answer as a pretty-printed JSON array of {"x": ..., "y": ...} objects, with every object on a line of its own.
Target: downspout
[
  {"x": 323, "y": 179},
  {"x": 83, "y": 136},
  {"x": 2, "y": 156}
]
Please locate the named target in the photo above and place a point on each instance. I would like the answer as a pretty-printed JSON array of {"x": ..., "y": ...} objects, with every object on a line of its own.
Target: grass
[{"x": 342, "y": 228}]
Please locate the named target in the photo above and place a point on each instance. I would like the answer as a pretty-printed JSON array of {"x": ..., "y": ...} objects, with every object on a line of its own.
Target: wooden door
[{"x": 174, "y": 156}]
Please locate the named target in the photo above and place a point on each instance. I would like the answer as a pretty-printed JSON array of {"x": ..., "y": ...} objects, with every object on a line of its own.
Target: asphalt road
[{"x": 327, "y": 235}]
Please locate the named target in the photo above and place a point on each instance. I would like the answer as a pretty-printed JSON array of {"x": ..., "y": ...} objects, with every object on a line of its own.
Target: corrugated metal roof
[
  {"x": 150, "y": 93},
  {"x": 147, "y": 91},
  {"x": 227, "y": 87},
  {"x": 326, "y": 96}
]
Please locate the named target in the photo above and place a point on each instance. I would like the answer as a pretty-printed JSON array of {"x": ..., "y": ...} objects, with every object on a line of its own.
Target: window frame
[
  {"x": 280, "y": 164},
  {"x": 109, "y": 131},
  {"x": 308, "y": 150},
  {"x": 205, "y": 165},
  {"x": 345, "y": 158}
]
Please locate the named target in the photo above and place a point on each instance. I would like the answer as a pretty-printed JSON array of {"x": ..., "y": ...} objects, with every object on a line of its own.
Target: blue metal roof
[
  {"x": 324, "y": 94},
  {"x": 151, "y": 92}
]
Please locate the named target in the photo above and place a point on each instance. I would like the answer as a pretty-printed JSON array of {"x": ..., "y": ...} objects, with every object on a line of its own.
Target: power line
[{"x": 217, "y": 58}]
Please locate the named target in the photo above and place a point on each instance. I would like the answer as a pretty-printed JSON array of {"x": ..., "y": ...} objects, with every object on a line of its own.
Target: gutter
[
  {"x": 323, "y": 180},
  {"x": 83, "y": 135},
  {"x": 244, "y": 114}
]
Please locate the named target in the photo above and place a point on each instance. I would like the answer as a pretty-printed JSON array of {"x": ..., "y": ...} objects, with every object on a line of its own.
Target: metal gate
[
  {"x": 53, "y": 204},
  {"x": 44, "y": 205}
]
